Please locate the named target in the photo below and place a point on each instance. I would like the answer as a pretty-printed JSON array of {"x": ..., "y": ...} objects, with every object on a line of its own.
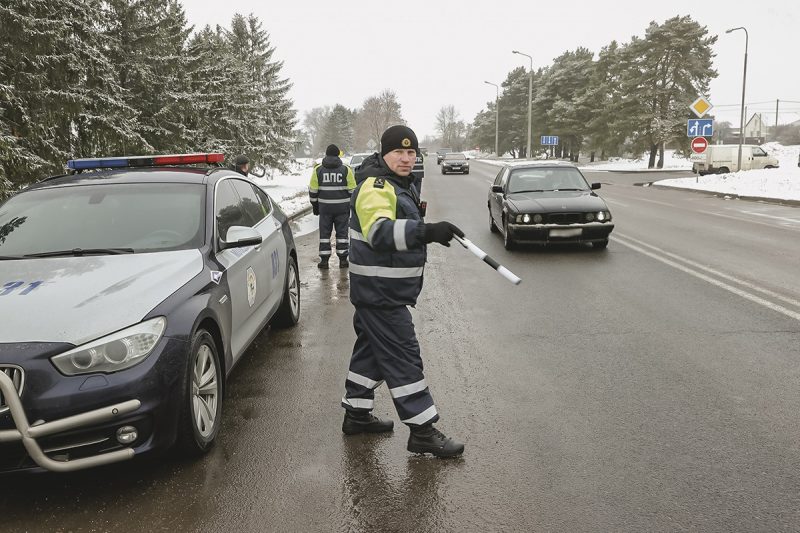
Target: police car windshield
[
  {"x": 145, "y": 217},
  {"x": 546, "y": 180}
]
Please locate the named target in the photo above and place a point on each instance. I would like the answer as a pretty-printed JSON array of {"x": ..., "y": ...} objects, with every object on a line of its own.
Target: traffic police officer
[
  {"x": 332, "y": 182},
  {"x": 388, "y": 238}
]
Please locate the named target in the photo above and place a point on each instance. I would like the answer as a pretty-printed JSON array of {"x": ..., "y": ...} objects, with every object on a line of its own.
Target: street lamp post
[
  {"x": 530, "y": 99},
  {"x": 496, "y": 119},
  {"x": 744, "y": 84}
]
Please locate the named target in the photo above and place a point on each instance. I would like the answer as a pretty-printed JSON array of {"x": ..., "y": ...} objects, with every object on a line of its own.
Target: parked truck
[{"x": 722, "y": 158}]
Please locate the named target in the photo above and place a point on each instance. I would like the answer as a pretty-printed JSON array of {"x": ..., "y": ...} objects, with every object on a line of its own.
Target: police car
[{"x": 129, "y": 289}]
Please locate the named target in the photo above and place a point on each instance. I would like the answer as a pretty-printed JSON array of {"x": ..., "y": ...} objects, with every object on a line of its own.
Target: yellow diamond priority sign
[{"x": 700, "y": 107}]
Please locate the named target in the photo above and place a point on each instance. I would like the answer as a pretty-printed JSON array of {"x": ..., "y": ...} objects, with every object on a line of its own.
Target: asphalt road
[{"x": 649, "y": 386}]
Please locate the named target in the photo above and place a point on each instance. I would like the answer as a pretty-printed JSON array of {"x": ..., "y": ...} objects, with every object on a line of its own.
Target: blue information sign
[
  {"x": 549, "y": 140},
  {"x": 700, "y": 127}
]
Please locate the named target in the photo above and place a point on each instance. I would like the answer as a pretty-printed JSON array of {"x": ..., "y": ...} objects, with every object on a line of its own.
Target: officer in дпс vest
[
  {"x": 332, "y": 182},
  {"x": 387, "y": 257}
]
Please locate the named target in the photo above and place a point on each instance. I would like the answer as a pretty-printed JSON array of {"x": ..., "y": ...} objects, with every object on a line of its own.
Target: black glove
[
  {"x": 441, "y": 232},
  {"x": 315, "y": 208}
]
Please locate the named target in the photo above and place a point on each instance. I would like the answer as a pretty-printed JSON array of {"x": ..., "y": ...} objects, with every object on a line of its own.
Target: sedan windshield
[
  {"x": 546, "y": 179},
  {"x": 137, "y": 217}
]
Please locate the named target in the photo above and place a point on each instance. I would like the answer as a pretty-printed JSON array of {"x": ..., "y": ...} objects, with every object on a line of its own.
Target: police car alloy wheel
[
  {"x": 202, "y": 400},
  {"x": 288, "y": 314}
]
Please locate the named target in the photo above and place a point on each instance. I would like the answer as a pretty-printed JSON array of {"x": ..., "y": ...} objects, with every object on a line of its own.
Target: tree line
[
  {"x": 93, "y": 78},
  {"x": 352, "y": 130},
  {"x": 633, "y": 98}
]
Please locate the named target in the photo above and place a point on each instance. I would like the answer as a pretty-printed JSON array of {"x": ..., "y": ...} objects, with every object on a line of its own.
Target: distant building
[{"x": 755, "y": 132}]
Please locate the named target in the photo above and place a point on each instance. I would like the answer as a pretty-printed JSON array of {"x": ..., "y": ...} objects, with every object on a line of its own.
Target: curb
[{"x": 779, "y": 201}]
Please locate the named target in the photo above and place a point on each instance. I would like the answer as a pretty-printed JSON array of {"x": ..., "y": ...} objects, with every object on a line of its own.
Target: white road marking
[
  {"x": 740, "y": 219},
  {"x": 614, "y": 202},
  {"x": 792, "y": 220},
  {"x": 717, "y": 273},
  {"x": 730, "y": 288}
]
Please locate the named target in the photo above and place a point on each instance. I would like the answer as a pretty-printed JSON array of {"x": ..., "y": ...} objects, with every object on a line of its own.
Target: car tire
[
  {"x": 467, "y": 172},
  {"x": 288, "y": 314},
  {"x": 201, "y": 402},
  {"x": 600, "y": 245},
  {"x": 508, "y": 242},
  {"x": 492, "y": 226},
  {"x": 723, "y": 170}
]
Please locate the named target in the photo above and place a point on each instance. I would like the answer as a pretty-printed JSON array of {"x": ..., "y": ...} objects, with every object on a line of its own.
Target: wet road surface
[{"x": 610, "y": 391}]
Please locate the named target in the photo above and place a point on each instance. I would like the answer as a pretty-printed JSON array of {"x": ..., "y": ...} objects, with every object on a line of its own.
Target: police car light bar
[{"x": 144, "y": 161}]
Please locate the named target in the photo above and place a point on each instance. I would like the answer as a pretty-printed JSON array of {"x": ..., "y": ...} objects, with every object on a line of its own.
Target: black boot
[
  {"x": 428, "y": 439},
  {"x": 343, "y": 262},
  {"x": 364, "y": 422},
  {"x": 323, "y": 262}
]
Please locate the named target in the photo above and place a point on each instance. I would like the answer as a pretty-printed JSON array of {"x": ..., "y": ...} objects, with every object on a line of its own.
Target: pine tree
[
  {"x": 338, "y": 128},
  {"x": 664, "y": 73},
  {"x": 60, "y": 98},
  {"x": 149, "y": 39},
  {"x": 263, "y": 113}
]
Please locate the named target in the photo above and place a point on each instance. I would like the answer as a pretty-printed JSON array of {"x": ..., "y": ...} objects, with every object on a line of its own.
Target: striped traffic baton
[{"x": 503, "y": 271}]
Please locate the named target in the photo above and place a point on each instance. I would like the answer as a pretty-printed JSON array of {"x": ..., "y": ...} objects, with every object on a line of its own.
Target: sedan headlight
[
  {"x": 590, "y": 216},
  {"x": 114, "y": 352},
  {"x": 603, "y": 216}
]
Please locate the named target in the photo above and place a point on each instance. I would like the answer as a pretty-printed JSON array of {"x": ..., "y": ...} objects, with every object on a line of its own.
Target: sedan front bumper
[
  {"x": 555, "y": 233},
  {"x": 29, "y": 434}
]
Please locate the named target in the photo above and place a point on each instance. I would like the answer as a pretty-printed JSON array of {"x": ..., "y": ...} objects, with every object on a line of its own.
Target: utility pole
[
  {"x": 530, "y": 99},
  {"x": 744, "y": 84},
  {"x": 496, "y": 118},
  {"x": 775, "y": 131}
]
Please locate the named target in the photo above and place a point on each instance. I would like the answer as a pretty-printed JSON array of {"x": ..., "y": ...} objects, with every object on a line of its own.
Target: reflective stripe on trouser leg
[
  {"x": 363, "y": 377},
  {"x": 392, "y": 343},
  {"x": 325, "y": 229},
  {"x": 342, "y": 224}
]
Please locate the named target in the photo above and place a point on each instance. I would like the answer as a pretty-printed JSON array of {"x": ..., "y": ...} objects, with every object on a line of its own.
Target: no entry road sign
[{"x": 699, "y": 145}]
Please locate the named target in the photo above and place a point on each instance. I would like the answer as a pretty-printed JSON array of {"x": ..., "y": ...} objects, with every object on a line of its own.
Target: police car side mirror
[
  {"x": 497, "y": 188},
  {"x": 240, "y": 237},
  {"x": 595, "y": 186}
]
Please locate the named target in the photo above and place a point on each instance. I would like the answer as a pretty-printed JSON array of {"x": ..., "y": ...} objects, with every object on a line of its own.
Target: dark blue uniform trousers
[
  {"x": 326, "y": 225},
  {"x": 386, "y": 349}
]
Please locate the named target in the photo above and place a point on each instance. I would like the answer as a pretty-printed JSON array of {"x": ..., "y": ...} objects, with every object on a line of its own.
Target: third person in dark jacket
[{"x": 332, "y": 182}]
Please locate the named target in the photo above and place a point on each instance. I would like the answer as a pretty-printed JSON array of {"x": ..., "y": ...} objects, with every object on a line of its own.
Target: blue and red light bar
[{"x": 145, "y": 161}]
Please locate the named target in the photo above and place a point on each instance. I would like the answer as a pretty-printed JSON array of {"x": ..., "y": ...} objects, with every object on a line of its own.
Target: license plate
[{"x": 571, "y": 232}]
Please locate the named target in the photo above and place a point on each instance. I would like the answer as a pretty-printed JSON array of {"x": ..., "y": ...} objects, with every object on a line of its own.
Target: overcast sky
[{"x": 439, "y": 52}]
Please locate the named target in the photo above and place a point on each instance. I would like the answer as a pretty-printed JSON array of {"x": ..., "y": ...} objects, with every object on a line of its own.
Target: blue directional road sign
[
  {"x": 700, "y": 127},
  {"x": 549, "y": 140}
]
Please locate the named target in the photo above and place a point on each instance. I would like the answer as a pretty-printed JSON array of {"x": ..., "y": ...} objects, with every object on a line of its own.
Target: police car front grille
[{"x": 17, "y": 376}]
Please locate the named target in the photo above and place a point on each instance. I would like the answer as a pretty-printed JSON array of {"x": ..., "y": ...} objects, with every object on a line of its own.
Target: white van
[{"x": 722, "y": 158}]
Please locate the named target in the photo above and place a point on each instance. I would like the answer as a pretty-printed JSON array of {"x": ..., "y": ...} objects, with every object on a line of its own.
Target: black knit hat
[
  {"x": 398, "y": 137},
  {"x": 332, "y": 149},
  {"x": 241, "y": 160}
]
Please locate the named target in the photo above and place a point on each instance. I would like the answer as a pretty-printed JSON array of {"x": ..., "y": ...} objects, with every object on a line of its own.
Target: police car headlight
[{"x": 114, "y": 352}]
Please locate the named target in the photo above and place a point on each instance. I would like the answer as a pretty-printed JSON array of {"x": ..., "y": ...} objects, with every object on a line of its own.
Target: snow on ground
[
  {"x": 289, "y": 190},
  {"x": 777, "y": 183},
  {"x": 672, "y": 161}
]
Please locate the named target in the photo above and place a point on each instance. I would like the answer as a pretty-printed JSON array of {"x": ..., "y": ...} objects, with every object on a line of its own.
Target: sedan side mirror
[
  {"x": 497, "y": 189},
  {"x": 240, "y": 237},
  {"x": 595, "y": 186}
]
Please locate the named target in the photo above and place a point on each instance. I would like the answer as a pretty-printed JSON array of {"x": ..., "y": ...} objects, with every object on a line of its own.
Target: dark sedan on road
[
  {"x": 440, "y": 153},
  {"x": 128, "y": 291},
  {"x": 455, "y": 162},
  {"x": 547, "y": 202}
]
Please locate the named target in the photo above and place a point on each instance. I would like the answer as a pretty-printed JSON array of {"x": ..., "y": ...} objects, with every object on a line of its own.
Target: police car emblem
[
  {"x": 251, "y": 286},
  {"x": 216, "y": 276},
  {"x": 406, "y": 142}
]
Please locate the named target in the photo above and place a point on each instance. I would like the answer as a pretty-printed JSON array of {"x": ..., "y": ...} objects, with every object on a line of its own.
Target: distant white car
[{"x": 357, "y": 159}]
